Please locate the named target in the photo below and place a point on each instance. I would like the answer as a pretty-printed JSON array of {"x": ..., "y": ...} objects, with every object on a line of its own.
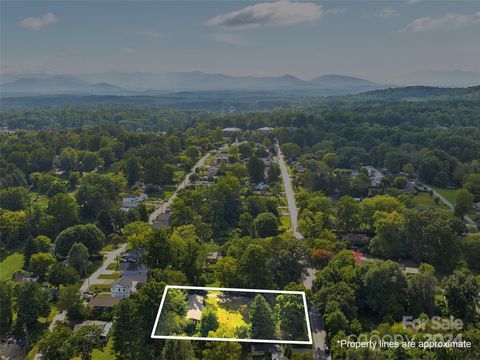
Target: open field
[
  {"x": 449, "y": 194},
  {"x": 424, "y": 201},
  {"x": 10, "y": 264}
]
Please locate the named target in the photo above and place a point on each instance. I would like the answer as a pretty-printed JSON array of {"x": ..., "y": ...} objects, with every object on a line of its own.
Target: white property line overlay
[{"x": 168, "y": 287}]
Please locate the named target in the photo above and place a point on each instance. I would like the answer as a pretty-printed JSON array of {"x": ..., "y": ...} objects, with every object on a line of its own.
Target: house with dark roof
[
  {"x": 101, "y": 303},
  {"x": 130, "y": 268},
  {"x": 163, "y": 220}
]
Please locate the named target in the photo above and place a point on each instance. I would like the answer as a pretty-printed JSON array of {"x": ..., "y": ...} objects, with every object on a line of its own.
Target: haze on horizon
[{"x": 377, "y": 40}]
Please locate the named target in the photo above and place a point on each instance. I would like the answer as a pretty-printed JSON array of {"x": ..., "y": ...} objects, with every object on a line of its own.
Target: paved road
[
  {"x": 316, "y": 322},
  {"x": 467, "y": 218},
  {"x": 289, "y": 193},
  {"x": 109, "y": 258},
  {"x": 164, "y": 206}
]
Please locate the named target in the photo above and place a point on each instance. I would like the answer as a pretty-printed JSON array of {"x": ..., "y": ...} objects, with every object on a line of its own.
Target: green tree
[
  {"x": 266, "y": 224},
  {"x": 389, "y": 240},
  {"x": 209, "y": 321},
  {"x": 70, "y": 301},
  {"x": 347, "y": 214},
  {"x": 127, "y": 321},
  {"x": 78, "y": 256},
  {"x": 290, "y": 312},
  {"x": 40, "y": 262},
  {"x": 14, "y": 198},
  {"x": 6, "y": 307},
  {"x": 62, "y": 274},
  {"x": 222, "y": 350},
  {"x": 245, "y": 223},
  {"x": 383, "y": 288},
  {"x": 85, "y": 340},
  {"x": 471, "y": 250},
  {"x": 261, "y": 318},
  {"x": 178, "y": 350},
  {"x": 254, "y": 268},
  {"x": 14, "y": 227},
  {"x": 335, "y": 322},
  {"x": 89, "y": 235},
  {"x": 54, "y": 345},
  {"x": 256, "y": 169},
  {"x": 464, "y": 202},
  {"x": 64, "y": 209},
  {"x": 462, "y": 292},
  {"x": 132, "y": 169},
  {"x": 137, "y": 234},
  {"x": 226, "y": 270},
  {"x": 31, "y": 302},
  {"x": 421, "y": 291}
]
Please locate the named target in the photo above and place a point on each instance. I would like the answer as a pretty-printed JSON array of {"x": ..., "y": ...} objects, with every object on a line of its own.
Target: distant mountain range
[
  {"x": 147, "y": 83},
  {"x": 117, "y": 83}
]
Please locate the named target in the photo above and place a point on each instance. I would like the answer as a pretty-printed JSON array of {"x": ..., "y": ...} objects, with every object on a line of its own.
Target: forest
[{"x": 388, "y": 191}]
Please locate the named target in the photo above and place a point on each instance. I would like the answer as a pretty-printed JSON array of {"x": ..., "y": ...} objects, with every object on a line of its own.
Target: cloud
[
  {"x": 150, "y": 33},
  {"x": 280, "y": 13},
  {"x": 231, "y": 39},
  {"x": 386, "y": 13},
  {"x": 128, "y": 50},
  {"x": 413, "y": 2},
  {"x": 36, "y": 23},
  {"x": 334, "y": 11},
  {"x": 452, "y": 20}
]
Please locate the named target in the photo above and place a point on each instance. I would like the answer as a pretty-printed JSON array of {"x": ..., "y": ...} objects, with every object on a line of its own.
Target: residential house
[
  {"x": 130, "y": 269},
  {"x": 103, "y": 303},
  {"x": 409, "y": 271},
  {"x": 132, "y": 201},
  {"x": 375, "y": 175},
  {"x": 104, "y": 326},
  {"x": 195, "y": 307},
  {"x": 21, "y": 275},
  {"x": 213, "y": 257},
  {"x": 163, "y": 220},
  {"x": 265, "y": 129},
  {"x": 127, "y": 285},
  {"x": 132, "y": 256},
  {"x": 356, "y": 239},
  {"x": 231, "y": 131}
]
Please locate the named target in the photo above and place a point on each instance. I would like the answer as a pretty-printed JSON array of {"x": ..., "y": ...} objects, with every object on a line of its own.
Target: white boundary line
[{"x": 302, "y": 293}]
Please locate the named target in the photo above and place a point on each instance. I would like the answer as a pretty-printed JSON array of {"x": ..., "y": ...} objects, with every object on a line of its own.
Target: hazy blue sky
[{"x": 378, "y": 40}]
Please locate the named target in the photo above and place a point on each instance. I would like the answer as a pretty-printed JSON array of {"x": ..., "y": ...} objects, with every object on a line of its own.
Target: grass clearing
[
  {"x": 424, "y": 201},
  {"x": 230, "y": 315},
  {"x": 105, "y": 353},
  {"x": 10, "y": 264},
  {"x": 113, "y": 276},
  {"x": 449, "y": 194}
]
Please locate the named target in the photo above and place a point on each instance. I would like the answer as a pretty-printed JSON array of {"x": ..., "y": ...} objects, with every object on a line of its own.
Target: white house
[
  {"x": 127, "y": 285},
  {"x": 132, "y": 201}
]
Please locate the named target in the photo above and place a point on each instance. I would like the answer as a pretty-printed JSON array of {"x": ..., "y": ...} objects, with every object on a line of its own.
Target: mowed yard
[
  {"x": 424, "y": 201},
  {"x": 11, "y": 263},
  {"x": 449, "y": 194},
  {"x": 230, "y": 313}
]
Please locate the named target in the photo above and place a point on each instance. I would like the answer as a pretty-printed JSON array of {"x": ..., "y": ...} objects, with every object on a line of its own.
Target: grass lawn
[
  {"x": 11, "y": 263},
  {"x": 424, "y": 201},
  {"x": 285, "y": 222},
  {"x": 449, "y": 194},
  {"x": 113, "y": 276},
  {"x": 100, "y": 287},
  {"x": 112, "y": 266},
  {"x": 228, "y": 319},
  {"x": 105, "y": 354}
]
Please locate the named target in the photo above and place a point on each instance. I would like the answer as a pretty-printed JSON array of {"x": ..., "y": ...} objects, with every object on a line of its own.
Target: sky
[{"x": 376, "y": 40}]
